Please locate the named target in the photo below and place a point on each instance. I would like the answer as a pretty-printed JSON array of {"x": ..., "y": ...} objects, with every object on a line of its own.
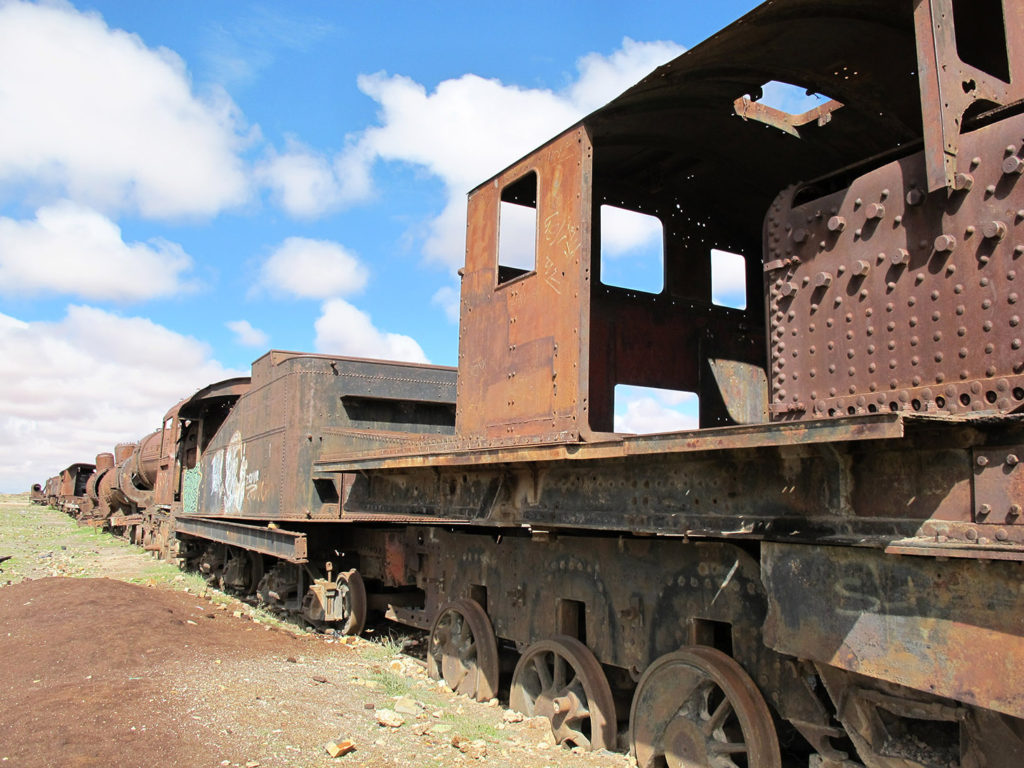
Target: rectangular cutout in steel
[{"x": 517, "y": 228}]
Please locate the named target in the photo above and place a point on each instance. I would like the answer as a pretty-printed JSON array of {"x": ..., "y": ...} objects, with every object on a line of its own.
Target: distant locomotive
[{"x": 826, "y": 572}]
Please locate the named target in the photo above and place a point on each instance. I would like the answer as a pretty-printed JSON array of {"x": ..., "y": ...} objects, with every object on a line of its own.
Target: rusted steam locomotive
[{"x": 826, "y": 572}]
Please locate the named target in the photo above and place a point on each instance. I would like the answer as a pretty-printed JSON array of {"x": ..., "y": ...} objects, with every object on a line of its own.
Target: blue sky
[{"x": 186, "y": 185}]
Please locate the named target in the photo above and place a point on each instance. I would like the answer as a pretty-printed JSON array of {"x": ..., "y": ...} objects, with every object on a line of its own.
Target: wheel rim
[
  {"x": 561, "y": 679},
  {"x": 352, "y": 594},
  {"x": 463, "y": 651},
  {"x": 698, "y": 707}
]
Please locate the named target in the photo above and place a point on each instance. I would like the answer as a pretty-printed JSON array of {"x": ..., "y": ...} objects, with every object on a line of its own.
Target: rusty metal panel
[
  {"x": 259, "y": 462},
  {"x": 277, "y": 542},
  {"x": 885, "y": 297},
  {"x": 460, "y": 451},
  {"x": 951, "y": 628},
  {"x": 521, "y": 355},
  {"x": 948, "y": 33}
]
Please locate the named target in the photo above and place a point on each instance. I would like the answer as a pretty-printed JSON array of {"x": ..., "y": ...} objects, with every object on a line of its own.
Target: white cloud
[
  {"x": 92, "y": 113},
  {"x": 246, "y": 335},
  {"x": 728, "y": 279},
  {"x": 469, "y": 128},
  {"x": 625, "y": 232},
  {"x": 602, "y": 78},
  {"x": 312, "y": 269},
  {"x": 74, "y": 250},
  {"x": 448, "y": 298},
  {"x": 342, "y": 329},
  {"x": 73, "y": 388},
  {"x": 307, "y": 184},
  {"x": 645, "y": 411}
]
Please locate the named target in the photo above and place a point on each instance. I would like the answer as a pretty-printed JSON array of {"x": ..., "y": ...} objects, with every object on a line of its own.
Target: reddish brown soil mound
[{"x": 89, "y": 668}]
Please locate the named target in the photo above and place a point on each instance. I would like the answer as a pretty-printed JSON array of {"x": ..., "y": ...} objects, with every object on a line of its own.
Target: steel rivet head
[
  {"x": 836, "y": 224},
  {"x": 875, "y": 211},
  {"x": 915, "y": 197},
  {"x": 1012, "y": 460},
  {"x": 962, "y": 182},
  {"x": 984, "y": 509},
  {"x": 945, "y": 243},
  {"x": 994, "y": 230},
  {"x": 1013, "y": 164}
]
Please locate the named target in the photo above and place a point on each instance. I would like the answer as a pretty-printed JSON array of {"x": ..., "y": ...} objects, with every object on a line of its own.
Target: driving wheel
[
  {"x": 463, "y": 651},
  {"x": 560, "y": 679},
  {"x": 698, "y": 707}
]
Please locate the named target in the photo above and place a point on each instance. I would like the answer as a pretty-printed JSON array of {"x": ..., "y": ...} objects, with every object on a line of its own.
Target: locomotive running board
[{"x": 287, "y": 545}]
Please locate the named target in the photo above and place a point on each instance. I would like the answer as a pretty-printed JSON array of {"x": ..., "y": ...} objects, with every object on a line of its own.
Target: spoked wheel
[
  {"x": 463, "y": 651},
  {"x": 560, "y": 679},
  {"x": 352, "y": 594},
  {"x": 698, "y": 707}
]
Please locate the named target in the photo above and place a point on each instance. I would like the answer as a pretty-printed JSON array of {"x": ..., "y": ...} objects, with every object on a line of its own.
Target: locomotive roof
[{"x": 677, "y": 129}]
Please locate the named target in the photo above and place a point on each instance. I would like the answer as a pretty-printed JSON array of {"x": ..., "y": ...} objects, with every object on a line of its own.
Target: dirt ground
[{"x": 149, "y": 668}]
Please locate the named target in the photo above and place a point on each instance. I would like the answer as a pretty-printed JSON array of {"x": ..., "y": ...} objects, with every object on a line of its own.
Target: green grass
[
  {"x": 394, "y": 684},
  {"x": 471, "y": 727}
]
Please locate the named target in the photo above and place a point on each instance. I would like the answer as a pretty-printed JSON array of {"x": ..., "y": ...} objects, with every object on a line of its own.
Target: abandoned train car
[{"x": 826, "y": 571}]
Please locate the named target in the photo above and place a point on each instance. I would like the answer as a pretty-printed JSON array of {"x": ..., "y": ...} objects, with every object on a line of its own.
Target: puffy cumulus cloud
[
  {"x": 448, "y": 298},
  {"x": 246, "y": 335},
  {"x": 312, "y": 269},
  {"x": 93, "y": 113},
  {"x": 342, "y": 329},
  {"x": 646, "y": 411},
  {"x": 73, "y": 388},
  {"x": 307, "y": 184},
  {"x": 74, "y": 250},
  {"x": 469, "y": 128},
  {"x": 602, "y": 78},
  {"x": 623, "y": 232}
]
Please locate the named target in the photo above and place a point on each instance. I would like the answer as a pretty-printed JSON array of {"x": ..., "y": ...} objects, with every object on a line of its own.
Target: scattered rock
[
  {"x": 440, "y": 728},
  {"x": 407, "y": 706},
  {"x": 319, "y": 679},
  {"x": 341, "y": 747},
  {"x": 475, "y": 749},
  {"x": 511, "y": 716},
  {"x": 290, "y": 659},
  {"x": 390, "y": 718}
]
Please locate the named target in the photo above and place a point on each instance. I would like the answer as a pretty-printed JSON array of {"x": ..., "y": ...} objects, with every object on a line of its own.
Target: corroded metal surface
[
  {"x": 885, "y": 297},
  {"x": 950, "y": 628}
]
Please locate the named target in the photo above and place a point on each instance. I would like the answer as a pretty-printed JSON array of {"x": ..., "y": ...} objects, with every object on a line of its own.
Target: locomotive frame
[{"x": 827, "y": 570}]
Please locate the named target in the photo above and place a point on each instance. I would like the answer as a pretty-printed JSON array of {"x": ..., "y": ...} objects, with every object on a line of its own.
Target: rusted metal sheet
[
  {"x": 951, "y": 628},
  {"x": 968, "y": 54},
  {"x": 462, "y": 452},
  {"x": 277, "y": 542},
  {"x": 885, "y": 297},
  {"x": 520, "y": 341},
  {"x": 256, "y": 460}
]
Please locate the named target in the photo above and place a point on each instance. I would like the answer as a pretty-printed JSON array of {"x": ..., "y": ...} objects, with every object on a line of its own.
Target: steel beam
[{"x": 287, "y": 545}]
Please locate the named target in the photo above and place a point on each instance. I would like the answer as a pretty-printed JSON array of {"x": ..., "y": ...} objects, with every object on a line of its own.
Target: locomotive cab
[{"x": 697, "y": 150}]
